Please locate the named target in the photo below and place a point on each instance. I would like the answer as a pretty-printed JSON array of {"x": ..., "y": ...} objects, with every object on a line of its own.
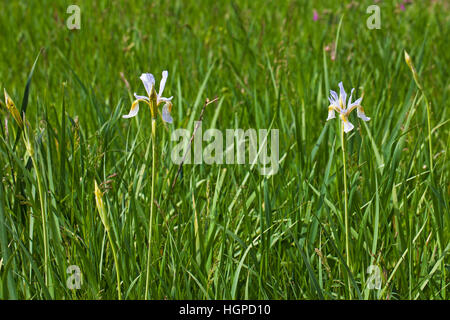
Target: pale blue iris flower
[
  {"x": 340, "y": 105},
  {"x": 154, "y": 99}
]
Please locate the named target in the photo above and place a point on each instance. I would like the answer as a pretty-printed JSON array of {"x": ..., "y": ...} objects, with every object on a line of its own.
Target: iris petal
[
  {"x": 357, "y": 102},
  {"x": 334, "y": 95},
  {"x": 360, "y": 113},
  {"x": 349, "y": 103},
  {"x": 134, "y": 110},
  {"x": 166, "y": 113},
  {"x": 149, "y": 81},
  {"x": 331, "y": 114},
  {"x": 348, "y": 126},
  {"x": 162, "y": 99},
  {"x": 141, "y": 97},
  {"x": 342, "y": 94},
  {"x": 162, "y": 84}
]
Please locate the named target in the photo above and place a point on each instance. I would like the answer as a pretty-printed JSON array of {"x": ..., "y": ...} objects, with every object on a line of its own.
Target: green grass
[{"x": 224, "y": 232}]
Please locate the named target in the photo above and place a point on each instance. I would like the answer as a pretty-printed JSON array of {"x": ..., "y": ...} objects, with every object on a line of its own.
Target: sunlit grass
[{"x": 224, "y": 231}]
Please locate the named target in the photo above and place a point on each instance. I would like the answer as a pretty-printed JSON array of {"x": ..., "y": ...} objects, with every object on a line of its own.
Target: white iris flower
[
  {"x": 153, "y": 99},
  {"x": 340, "y": 105}
]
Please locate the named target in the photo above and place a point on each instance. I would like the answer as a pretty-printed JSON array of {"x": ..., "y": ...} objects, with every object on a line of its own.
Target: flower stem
[
  {"x": 44, "y": 219},
  {"x": 429, "y": 133},
  {"x": 150, "y": 223},
  {"x": 116, "y": 262},
  {"x": 30, "y": 150},
  {"x": 347, "y": 251}
]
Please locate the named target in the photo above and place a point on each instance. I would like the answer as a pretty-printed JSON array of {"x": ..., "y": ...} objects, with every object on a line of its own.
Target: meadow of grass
[{"x": 224, "y": 231}]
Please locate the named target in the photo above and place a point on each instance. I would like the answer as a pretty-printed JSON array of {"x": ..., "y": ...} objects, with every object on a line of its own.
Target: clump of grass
[
  {"x": 105, "y": 221},
  {"x": 224, "y": 232}
]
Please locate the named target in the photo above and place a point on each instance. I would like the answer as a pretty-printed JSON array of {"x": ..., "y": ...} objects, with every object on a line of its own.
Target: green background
[{"x": 225, "y": 232}]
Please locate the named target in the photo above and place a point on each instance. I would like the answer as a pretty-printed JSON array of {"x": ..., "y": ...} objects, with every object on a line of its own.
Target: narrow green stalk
[
  {"x": 443, "y": 268},
  {"x": 347, "y": 251},
  {"x": 44, "y": 219},
  {"x": 419, "y": 85},
  {"x": 116, "y": 262},
  {"x": 31, "y": 153},
  {"x": 429, "y": 133},
  {"x": 150, "y": 223},
  {"x": 430, "y": 148},
  {"x": 104, "y": 216}
]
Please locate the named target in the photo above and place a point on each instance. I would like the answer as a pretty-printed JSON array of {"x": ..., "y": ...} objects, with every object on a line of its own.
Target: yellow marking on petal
[
  {"x": 351, "y": 109},
  {"x": 136, "y": 102},
  {"x": 334, "y": 108},
  {"x": 344, "y": 118},
  {"x": 341, "y": 104}
]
